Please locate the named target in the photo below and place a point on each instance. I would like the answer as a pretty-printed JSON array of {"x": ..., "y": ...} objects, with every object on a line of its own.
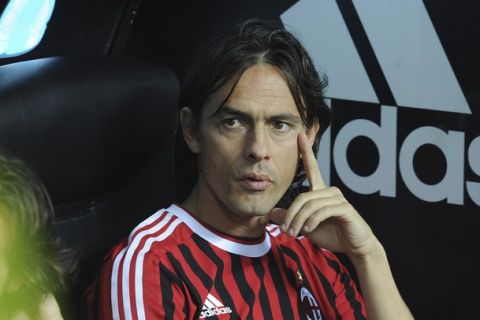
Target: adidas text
[{"x": 214, "y": 312}]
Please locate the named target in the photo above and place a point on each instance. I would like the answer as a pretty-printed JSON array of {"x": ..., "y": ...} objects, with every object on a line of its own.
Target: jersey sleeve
[
  {"x": 127, "y": 288},
  {"x": 348, "y": 300}
]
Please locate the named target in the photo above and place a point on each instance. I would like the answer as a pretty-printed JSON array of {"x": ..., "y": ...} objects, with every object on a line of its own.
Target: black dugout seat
[{"x": 100, "y": 132}]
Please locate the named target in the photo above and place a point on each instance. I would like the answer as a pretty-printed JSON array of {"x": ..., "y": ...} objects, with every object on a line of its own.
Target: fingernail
[
  {"x": 283, "y": 227},
  {"x": 306, "y": 228}
]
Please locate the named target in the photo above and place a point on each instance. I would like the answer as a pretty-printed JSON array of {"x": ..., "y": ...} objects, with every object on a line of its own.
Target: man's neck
[{"x": 210, "y": 210}]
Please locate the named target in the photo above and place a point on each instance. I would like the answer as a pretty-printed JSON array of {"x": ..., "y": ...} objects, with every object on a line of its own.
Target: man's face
[{"x": 248, "y": 149}]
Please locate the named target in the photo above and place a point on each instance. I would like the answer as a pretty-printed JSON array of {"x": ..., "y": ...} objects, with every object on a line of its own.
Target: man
[{"x": 252, "y": 109}]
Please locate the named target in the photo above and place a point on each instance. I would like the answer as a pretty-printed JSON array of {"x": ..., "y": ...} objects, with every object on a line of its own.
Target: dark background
[{"x": 432, "y": 247}]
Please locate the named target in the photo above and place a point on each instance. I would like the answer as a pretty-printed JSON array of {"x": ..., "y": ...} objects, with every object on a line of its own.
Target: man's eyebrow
[
  {"x": 229, "y": 110},
  {"x": 288, "y": 117},
  {"x": 225, "y": 109}
]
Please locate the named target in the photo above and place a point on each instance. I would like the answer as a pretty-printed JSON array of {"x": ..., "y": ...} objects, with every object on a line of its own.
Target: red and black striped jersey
[{"x": 174, "y": 267}]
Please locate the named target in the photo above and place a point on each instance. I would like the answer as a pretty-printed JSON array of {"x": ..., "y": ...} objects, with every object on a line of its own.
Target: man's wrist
[{"x": 375, "y": 255}]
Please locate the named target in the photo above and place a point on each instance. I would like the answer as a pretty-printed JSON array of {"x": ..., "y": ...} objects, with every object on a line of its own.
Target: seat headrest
[{"x": 86, "y": 124}]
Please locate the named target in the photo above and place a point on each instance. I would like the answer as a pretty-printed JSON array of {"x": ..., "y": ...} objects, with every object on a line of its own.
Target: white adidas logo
[
  {"x": 213, "y": 307},
  {"x": 403, "y": 39}
]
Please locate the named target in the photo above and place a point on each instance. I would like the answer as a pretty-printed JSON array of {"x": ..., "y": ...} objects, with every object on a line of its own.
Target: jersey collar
[{"x": 250, "y": 250}]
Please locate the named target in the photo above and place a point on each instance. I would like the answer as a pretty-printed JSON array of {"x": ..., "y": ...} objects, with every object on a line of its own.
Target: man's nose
[{"x": 257, "y": 145}]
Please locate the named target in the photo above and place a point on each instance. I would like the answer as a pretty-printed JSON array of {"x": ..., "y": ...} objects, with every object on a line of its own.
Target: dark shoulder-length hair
[
  {"x": 225, "y": 58},
  {"x": 37, "y": 264}
]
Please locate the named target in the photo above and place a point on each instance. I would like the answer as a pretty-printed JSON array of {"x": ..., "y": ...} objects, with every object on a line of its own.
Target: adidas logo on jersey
[{"x": 213, "y": 307}]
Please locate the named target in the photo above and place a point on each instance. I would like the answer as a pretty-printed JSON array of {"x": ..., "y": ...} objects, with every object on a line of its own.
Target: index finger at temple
[{"x": 310, "y": 164}]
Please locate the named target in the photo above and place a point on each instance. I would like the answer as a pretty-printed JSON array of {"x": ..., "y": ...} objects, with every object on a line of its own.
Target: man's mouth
[{"x": 255, "y": 181}]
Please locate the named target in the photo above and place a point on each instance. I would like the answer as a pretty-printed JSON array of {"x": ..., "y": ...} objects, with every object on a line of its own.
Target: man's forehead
[
  {"x": 262, "y": 80},
  {"x": 260, "y": 88}
]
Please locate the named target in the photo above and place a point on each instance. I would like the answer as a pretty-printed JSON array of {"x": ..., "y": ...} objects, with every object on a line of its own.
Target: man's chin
[{"x": 252, "y": 206}]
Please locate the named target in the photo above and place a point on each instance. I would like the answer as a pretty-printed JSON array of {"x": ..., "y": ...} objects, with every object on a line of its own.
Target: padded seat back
[{"x": 100, "y": 131}]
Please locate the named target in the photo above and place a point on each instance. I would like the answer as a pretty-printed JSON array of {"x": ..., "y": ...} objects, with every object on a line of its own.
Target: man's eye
[
  {"x": 232, "y": 123},
  {"x": 281, "y": 126}
]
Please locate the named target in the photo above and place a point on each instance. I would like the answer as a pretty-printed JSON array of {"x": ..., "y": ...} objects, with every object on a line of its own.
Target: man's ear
[
  {"x": 189, "y": 129},
  {"x": 312, "y": 131}
]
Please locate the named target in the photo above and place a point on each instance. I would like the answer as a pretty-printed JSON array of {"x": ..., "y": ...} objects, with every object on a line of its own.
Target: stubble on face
[{"x": 248, "y": 149}]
